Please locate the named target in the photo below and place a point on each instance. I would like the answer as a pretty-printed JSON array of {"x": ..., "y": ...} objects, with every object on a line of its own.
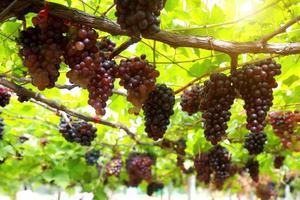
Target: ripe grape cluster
[
  {"x": 42, "y": 49},
  {"x": 158, "y": 109},
  {"x": 77, "y": 131},
  {"x": 255, "y": 84},
  {"x": 190, "y": 99},
  {"x": 138, "y": 167},
  {"x": 283, "y": 122},
  {"x": 114, "y": 166},
  {"x": 91, "y": 157},
  {"x": 1, "y": 128},
  {"x": 217, "y": 162},
  {"x": 255, "y": 142},
  {"x": 278, "y": 161},
  {"x": 4, "y": 97},
  {"x": 219, "y": 95},
  {"x": 139, "y": 16},
  {"x": 154, "y": 187},
  {"x": 253, "y": 168},
  {"x": 138, "y": 77}
]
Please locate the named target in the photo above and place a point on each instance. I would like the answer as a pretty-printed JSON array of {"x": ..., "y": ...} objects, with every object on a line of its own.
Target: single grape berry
[
  {"x": 253, "y": 168},
  {"x": 158, "y": 109},
  {"x": 218, "y": 96},
  {"x": 114, "y": 166},
  {"x": 191, "y": 99},
  {"x": 77, "y": 131},
  {"x": 1, "y": 128},
  {"x": 278, "y": 161},
  {"x": 91, "y": 157},
  {"x": 255, "y": 142},
  {"x": 138, "y": 77},
  {"x": 138, "y": 167},
  {"x": 139, "y": 17},
  {"x": 4, "y": 97},
  {"x": 154, "y": 187},
  {"x": 255, "y": 84}
]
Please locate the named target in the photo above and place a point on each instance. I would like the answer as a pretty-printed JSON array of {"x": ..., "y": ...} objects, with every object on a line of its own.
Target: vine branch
[{"x": 174, "y": 40}]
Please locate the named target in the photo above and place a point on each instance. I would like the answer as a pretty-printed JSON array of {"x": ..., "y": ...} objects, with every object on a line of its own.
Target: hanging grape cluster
[
  {"x": 1, "y": 128},
  {"x": 138, "y": 77},
  {"x": 283, "y": 123},
  {"x": 4, "y": 97},
  {"x": 255, "y": 142},
  {"x": 91, "y": 157},
  {"x": 139, "y": 16},
  {"x": 114, "y": 166},
  {"x": 252, "y": 166},
  {"x": 191, "y": 99},
  {"x": 216, "y": 162},
  {"x": 138, "y": 167},
  {"x": 255, "y": 84},
  {"x": 219, "y": 95},
  {"x": 278, "y": 161},
  {"x": 154, "y": 187},
  {"x": 42, "y": 49},
  {"x": 158, "y": 109},
  {"x": 77, "y": 131}
]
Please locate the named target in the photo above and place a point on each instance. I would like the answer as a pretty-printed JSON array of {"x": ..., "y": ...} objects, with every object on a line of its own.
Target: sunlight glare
[{"x": 246, "y": 8}]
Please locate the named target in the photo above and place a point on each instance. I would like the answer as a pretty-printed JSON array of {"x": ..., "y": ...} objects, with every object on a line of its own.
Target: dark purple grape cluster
[
  {"x": 138, "y": 77},
  {"x": 154, "y": 187},
  {"x": 101, "y": 85},
  {"x": 114, "y": 166},
  {"x": 81, "y": 54},
  {"x": 139, "y": 16},
  {"x": 202, "y": 167},
  {"x": 218, "y": 96},
  {"x": 91, "y": 157},
  {"x": 191, "y": 99},
  {"x": 1, "y": 128},
  {"x": 77, "y": 131},
  {"x": 158, "y": 109},
  {"x": 138, "y": 167},
  {"x": 255, "y": 84},
  {"x": 278, "y": 161},
  {"x": 217, "y": 162},
  {"x": 42, "y": 49},
  {"x": 253, "y": 168},
  {"x": 4, "y": 97},
  {"x": 283, "y": 122},
  {"x": 255, "y": 142}
]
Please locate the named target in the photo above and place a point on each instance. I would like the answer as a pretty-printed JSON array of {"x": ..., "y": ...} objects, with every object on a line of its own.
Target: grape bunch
[
  {"x": 278, "y": 161},
  {"x": 139, "y": 16},
  {"x": 219, "y": 95},
  {"x": 1, "y": 128},
  {"x": 91, "y": 157},
  {"x": 81, "y": 54},
  {"x": 255, "y": 84},
  {"x": 255, "y": 142},
  {"x": 105, "y": 45},
  {"x": 283, "y": 122},
  {"x": 77, "y": 131},
  {"x": 216, "y": 162},
  {"x": 202, "y": 167},
  {"x": 4, "y": 97},
  {"x": 253, "y": 168},
  {"x": 158, "y": 109},
  {"x": 191, "y": 99},
  {"x": 138, "y": 77},
  {"x": 114, "y": 166},
  {"x": 154, "y": 187},
  {"x": 138, "y": 167},
  {"x": 41, "y": 50},
  {"x": 101, "y": 85}
]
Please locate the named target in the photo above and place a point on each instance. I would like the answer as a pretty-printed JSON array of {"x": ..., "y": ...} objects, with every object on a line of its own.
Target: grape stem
[{"x": 124, "y": 46}]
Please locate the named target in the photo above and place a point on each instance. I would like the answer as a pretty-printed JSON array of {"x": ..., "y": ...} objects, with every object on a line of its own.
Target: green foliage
[{"x": 62, "y": 164}]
